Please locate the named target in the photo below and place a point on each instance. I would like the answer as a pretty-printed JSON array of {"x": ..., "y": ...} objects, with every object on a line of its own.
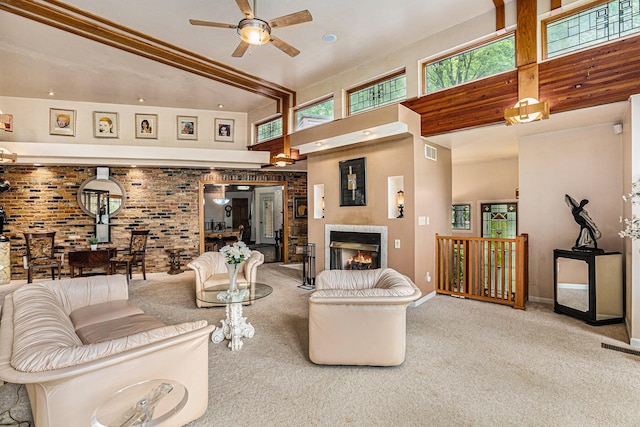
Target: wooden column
[
  {"x": 500, "y": 23},
  {"x": 526, "y": 49}
]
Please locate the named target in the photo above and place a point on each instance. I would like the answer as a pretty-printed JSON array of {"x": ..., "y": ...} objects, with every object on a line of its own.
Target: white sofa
[
  {"x": 211, "y": 272},
  {"x": 75, "y": 342},
  {"x": 358, "y": 317}
]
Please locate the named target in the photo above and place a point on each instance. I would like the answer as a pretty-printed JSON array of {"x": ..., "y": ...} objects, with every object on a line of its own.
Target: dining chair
[
  {"x": 134, "y": 256},
  {"x": 41, "y": 254}
]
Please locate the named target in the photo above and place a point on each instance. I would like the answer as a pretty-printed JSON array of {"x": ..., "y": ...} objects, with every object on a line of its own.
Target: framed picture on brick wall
[{"x": 300, "y": 207}]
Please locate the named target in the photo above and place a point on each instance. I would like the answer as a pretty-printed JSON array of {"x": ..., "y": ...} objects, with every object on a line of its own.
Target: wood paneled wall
[
  {"x": 601, "y": 75},
  {"x": 597, "y": 76},
  {"x": 470, "y": 105}
]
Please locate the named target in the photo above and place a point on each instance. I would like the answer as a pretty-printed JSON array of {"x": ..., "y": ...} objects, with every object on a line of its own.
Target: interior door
[
  {"x": 241, "y": 216},
  {"x": 267, "y": 218}
]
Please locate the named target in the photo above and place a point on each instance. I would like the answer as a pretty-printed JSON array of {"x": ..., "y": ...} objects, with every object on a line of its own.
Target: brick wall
[{"x": 164, "y": 200}]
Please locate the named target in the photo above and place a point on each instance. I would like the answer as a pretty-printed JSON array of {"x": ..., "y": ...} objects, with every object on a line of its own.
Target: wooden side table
[
  {"x": 91, "y": 259},
  {"x": 174, "y": 261}
]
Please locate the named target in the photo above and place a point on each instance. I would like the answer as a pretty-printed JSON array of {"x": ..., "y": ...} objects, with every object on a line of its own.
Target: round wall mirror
[{"x": 101, "y": 196}]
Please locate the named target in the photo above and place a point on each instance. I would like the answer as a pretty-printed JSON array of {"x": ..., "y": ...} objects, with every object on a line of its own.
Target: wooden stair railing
[{"x": 495, "y": 270}]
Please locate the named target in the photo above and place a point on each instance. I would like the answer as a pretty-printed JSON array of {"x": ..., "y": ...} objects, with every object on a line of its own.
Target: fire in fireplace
[
  {"x": 362, "y": 261},
  {"x": 354, "y": 251}
]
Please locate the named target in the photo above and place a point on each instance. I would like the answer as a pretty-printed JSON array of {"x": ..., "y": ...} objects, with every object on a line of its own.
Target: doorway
[{"x": 259, "y": 207}]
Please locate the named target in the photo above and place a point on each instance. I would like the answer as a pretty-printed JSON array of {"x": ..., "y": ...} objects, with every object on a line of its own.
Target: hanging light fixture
[
  {"x": 220, "y": 198},
  {"x": 284, "y": 158},
  {"x": 527, "y": 110},
  {"x": 281, "y": 160}
]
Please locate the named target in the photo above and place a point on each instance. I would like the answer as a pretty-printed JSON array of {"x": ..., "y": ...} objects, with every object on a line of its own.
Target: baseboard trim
[
  {"x": 634, "y": 342},
  {"x": 548, "y": 301},
  {"x": 423, "y": 299}
]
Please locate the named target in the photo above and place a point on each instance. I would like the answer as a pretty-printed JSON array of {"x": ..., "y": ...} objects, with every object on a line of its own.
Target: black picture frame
[
  {"x": 353, "y": 182},
  {"x": 300, "y": 208}
]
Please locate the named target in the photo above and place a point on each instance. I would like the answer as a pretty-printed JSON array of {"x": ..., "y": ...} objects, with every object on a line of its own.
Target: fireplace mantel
[{"x": 381, "y": 229}]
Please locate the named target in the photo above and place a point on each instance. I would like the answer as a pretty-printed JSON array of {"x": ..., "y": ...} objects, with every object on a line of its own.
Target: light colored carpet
[{"x": 468, "y": 363}]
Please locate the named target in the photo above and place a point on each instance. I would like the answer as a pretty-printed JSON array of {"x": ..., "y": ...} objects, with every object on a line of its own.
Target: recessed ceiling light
[
  {"x": 220, "y": 106},
  {"x": 243, "y": 187},
  {"x": 329, "y": 38},
  {"x": 319, "y": 143},
  {"x": 140, "y": 99},
  {"x": 366, "y": 132},
  {"x": 51, "y": 93}
]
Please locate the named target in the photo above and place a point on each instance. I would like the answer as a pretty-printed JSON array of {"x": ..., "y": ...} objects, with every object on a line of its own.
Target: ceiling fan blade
[
  {"x": 245, "y": 8},
  {"x": 211, "y": 24},
  {"x": 284, "y": 46},
  {"x": 292, "y": 19},
  {"x": 240, "y": 50}
]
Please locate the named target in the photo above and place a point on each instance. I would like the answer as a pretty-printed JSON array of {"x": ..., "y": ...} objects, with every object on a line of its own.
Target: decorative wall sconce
[
  {"x": 527, "y": 110},
  {"x": 322, "y": 206},
  {"x": 400, "y": 201}
]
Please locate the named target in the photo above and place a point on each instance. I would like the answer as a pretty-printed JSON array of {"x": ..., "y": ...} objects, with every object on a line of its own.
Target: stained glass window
[
  {"x": 379, "y": 93},
  {"x": 269, "y": 130},
  {"x": 461, "y": 217},
  {"x": 591, "y": 26}
]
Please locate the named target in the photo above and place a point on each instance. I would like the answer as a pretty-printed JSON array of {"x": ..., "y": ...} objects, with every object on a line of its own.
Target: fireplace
[{"x": 355, "y": 247}]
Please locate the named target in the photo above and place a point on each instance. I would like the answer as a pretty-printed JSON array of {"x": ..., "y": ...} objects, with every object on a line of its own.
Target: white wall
[
  {"x": 631, "y": 173},
  {"x": 584, "y": 163},
  {"x": 31, "y": 124}
]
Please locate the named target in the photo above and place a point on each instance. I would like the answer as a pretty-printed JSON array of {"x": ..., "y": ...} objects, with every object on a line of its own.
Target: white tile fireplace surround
[{"x": 380, "y": 229}]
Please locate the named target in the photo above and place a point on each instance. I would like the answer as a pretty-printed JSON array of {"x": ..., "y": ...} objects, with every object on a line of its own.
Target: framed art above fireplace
[{"x": 353, "y": 182}]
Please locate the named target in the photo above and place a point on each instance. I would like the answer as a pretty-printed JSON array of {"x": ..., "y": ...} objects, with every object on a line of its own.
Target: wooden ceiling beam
[
  {"x": 500, "y": 20},
  {"x": 556, "y": 4},
  {"x": 76, "y": 21}
]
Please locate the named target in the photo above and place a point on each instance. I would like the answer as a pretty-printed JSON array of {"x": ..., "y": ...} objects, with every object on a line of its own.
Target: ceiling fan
[{"x": 256, "y": 31}]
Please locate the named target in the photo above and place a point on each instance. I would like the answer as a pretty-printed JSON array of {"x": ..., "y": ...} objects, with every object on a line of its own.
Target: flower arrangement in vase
[
  {"x": 235, "y": 255},
  {"x": 93, "y": 241},
  {"x": 632, "y": 225}
]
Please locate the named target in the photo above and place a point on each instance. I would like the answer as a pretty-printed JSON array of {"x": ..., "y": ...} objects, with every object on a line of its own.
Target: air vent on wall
[{"x": 430, "y": 152}]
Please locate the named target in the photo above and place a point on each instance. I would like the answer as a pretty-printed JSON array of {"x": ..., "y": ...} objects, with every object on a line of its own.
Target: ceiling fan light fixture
[{"x": 254, "y": 31}]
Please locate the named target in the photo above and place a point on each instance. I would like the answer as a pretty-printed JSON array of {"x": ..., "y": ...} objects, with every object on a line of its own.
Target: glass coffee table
[
  {"x": 234, "y": 326},
  {"x": 147, "y": 403}
]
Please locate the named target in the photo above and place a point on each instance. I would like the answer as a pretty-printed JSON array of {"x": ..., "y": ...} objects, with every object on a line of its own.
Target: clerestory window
[
  {"x": 314, "y": 114},
  {"x": 384, "y": 91},
  {"x": 588, "y": 26},
  {"x": 269, "y": 130},
  {"x": 488, "y": 59}
]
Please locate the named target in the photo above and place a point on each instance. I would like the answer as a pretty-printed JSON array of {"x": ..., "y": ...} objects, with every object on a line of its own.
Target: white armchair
[
  {"x": 358, "y": 317},
  {"x": 211, "y": 272}
]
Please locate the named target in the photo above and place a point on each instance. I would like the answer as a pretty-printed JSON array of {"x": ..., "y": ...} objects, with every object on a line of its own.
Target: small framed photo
[
  {"x": 188, "y": 127},
  {"x": 300, "y": 207},
  {"x": 223, "y": 130},
  {"x": 62, "y": 122},
  {"x": 147, "y": 126},
  {"x": 105, "y": 125}
]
